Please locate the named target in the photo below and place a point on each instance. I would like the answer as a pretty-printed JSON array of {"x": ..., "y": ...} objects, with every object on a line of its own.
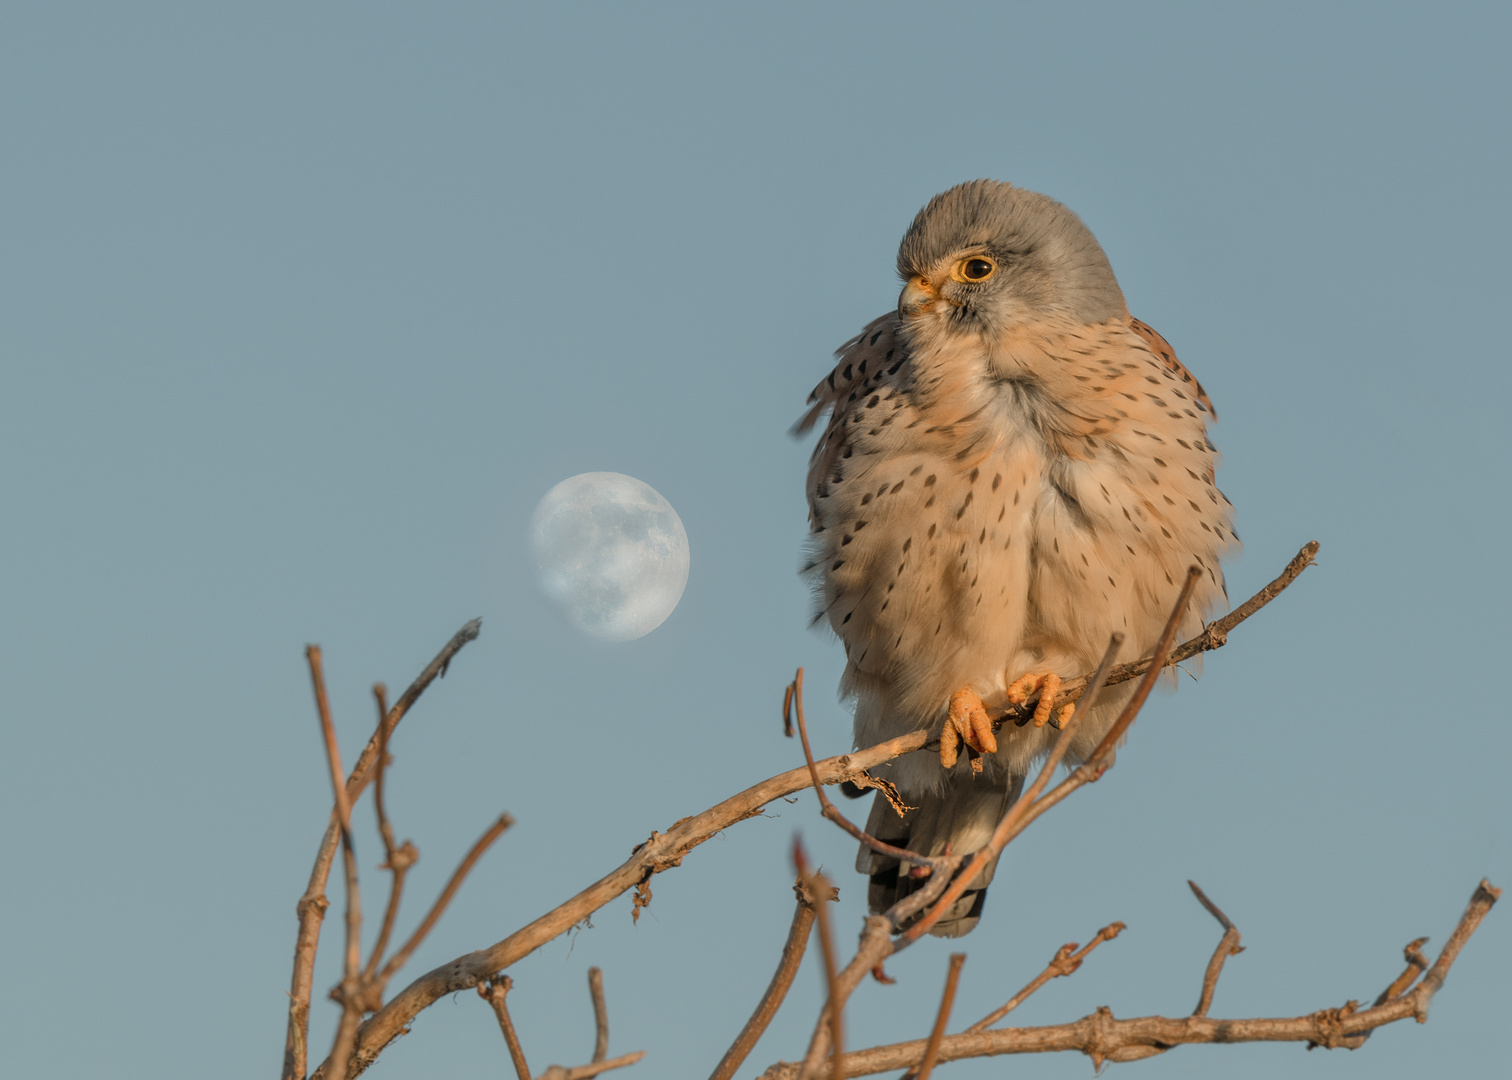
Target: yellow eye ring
[{"x": 974, "y": 269}]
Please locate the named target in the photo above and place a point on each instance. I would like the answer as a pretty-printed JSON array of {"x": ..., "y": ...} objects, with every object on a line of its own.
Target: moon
[{"x": 612, "y": 552}]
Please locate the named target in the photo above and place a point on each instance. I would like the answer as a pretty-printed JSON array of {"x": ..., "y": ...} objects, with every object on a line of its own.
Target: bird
[{"x": 1012, "y": 469}]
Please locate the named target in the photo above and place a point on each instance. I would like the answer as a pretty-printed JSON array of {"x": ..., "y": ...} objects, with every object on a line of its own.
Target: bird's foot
[
  {"x": 1048, "y": 684},
  {"x": 967, "y": 722}
]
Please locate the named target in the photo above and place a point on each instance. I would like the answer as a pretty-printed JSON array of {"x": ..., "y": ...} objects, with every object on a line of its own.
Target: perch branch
[
  {"x": 1103, "y": 1038},
  {"x": 311, "y": 909},
  {"x": 1065, "y": 962},
  {"x": 666, "y": 850},
  {"x": 1214, "y": 636},
  {"x": 1227, "y": 947},
  {"x": 787, "y": 968},
  {"x": 494, "y": 991}
]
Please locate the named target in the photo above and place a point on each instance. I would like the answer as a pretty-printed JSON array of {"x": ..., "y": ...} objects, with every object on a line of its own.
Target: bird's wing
[
  {"x": 1162, "y": 348},
  {"x": 864, "y": 363}
]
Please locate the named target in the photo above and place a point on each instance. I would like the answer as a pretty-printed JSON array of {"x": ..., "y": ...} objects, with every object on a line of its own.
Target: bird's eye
[{"x": 976, "y": 268}]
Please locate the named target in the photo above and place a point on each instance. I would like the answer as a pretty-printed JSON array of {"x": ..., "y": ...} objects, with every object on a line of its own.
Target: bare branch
[
  {"x": 494, "y": 991},
  {"x": 600, "y": 1014},
  {"x": 469, "y": 860},
  {"x": 311, "y": 909},
  {"x": 349, "y": 992},
  {"x": 947, "y": 1000},
  {"x": 787, "y": 968},
  {"x": 1228, "y": 946},
  {"x": 819, "y": 888},
  {"x": 398, "y": 860},
  {"x": 1103, "y": 1038},
  {"x": 1214, "y": 636},
  {"x": 584, "y": 1072},
  {"x": 1065, "y": 962},
  {"x": 1417, "y": 963}
]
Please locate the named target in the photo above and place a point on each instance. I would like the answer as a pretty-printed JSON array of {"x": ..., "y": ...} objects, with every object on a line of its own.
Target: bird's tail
[{"x": 958, "y": 820}]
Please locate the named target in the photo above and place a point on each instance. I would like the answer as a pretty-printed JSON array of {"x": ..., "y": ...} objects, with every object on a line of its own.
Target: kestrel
[{"x": 1013, "y": 468}]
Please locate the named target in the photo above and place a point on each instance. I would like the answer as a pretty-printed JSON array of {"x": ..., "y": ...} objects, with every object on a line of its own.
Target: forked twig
[
  {"x": 1065, "y": 962},
  {"x": 469, "y": 860},
  {"x": 1417, "y": 963},
  {"x": 311, "y": 909},
  {"x": 397, "y": 860},
  {"x": 585, "y": 1072},
  {"x": 1227, "y": 947}
]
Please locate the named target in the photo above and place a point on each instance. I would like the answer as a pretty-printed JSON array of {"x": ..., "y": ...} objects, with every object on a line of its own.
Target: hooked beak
[{"x": 917, "y": 296}]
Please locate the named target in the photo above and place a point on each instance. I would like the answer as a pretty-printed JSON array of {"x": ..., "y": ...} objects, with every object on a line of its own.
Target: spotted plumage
[{"x": 1011, "y": 469}]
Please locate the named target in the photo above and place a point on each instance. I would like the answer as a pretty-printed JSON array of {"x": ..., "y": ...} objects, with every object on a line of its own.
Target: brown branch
[
  {"x": 311, "y": 909},
  {"x": 398, "y": 860},
  {"x": 947, "y": 1000},
  {"x": 819, "y": 888},
  {"x": 494, "y": 991},
  {"x": 1228, "y": 946},
  {"x": 1214, "y": 636},
  {"x": 600, "y": 1014},
  {"x": 1417, "y": 963},
  {"x": 787, "y": 968},
  {"x": 469, "y": 860},
  {"x": 585, "y": 1072},
  {"x": 349, "y": 992},
  {"x": 1103, "y": 1038},
  {"x": 1065, "y": 962}
]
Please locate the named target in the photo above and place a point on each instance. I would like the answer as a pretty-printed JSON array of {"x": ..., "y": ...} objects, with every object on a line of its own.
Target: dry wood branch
[
  {"x": 349, "y": 992},
  {"x": 1227, "y": 947},
  {"x": 397, "y": 860},
  {"x": 1065, "y": 962},
  {"x": 818, "y": 887},
  {"x": 494, "y": 991},
  {"x": 311, "y": 909},
  {"x": 1103, "y": 1038},
  {"x": 947, "y": 1001},
  {"x": 787, "y": 968},
  {"x": 459, "y": 875},
  {"x": 1214, "y": 636},
  {"x": 600, "y": 1014},
  {"x": 1417, "y": 963},
  {"x": 584, "y": 1072},
  {"x": 666, "y": 850}
]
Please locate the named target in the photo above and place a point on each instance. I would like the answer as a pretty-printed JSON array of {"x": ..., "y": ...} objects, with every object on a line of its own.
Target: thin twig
[
  {"x": 947, "y": 1000},
  {"x": 483, "y": 843},
  {"x": 398, "y": 860},
  {"x": 1103, "y": 1038},
  {"x": 312, "y": 905},
  {"x": 787, "y": 968},
  {"x": 1227, "y": 947},
  {"x": 1065, "y": 962},
  {"x": 827, "y": 808},
  {"x": 819, "y": 888},
  {"x": 1417, "y": 963},
  {"x": 494, "y": 991},
  {"x": 600, "y": 1014},
  {"x": 585, "y": 1072},
  {"x": 349, "y": 993}
]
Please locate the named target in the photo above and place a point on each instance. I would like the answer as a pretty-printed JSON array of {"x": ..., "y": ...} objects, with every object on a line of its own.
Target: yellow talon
[
  {"x": 967, "y": 722},
  {"x": 1048, "y": 684}
]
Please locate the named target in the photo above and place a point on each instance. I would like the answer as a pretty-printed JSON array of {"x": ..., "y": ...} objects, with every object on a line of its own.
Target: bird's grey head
[{"x": 986, "y": 256}]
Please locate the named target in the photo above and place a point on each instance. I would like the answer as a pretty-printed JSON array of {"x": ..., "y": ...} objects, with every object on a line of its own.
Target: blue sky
[{"x": 303, "y": 308}]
